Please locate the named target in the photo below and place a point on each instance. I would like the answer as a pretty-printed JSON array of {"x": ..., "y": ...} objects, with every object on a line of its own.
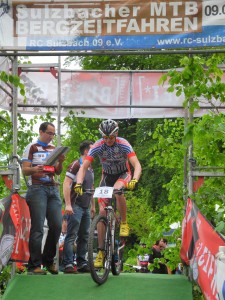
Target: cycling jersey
[
  {"x": 37, "y": 153},
  {"x": 84, "y": 200},
  {"x": 114, "y": 159}
]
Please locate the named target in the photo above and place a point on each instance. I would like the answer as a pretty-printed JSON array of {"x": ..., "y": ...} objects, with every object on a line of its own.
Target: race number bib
[{"x": 103, "y": 192}]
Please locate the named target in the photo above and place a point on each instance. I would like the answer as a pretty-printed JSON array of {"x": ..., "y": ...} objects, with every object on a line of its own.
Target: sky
[{"x": 52, "y": 59}]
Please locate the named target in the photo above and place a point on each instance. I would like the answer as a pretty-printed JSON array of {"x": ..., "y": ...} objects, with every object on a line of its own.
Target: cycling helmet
[{"x": 108, "y": 127}]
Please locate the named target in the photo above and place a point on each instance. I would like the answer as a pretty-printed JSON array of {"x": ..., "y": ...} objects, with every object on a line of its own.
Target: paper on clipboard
[{"x": 53, "y": 156}]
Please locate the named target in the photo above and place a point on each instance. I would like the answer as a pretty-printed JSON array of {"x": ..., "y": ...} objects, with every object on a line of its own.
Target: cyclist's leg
[
  {"x": 121, "y": 202},
  {"x": 101, "y": 229},
  {"x": 120, "y": 199}
]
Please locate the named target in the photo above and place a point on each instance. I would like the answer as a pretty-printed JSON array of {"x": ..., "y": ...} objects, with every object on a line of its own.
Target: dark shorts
[{"x": 110, "y": 180}]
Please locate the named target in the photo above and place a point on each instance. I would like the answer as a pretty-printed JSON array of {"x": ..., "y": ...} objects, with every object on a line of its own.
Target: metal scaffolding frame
[
  {"x": 110, "y": 53},
  {"x": 13, "y": 55},
  {"x": 189, "y": 162}
]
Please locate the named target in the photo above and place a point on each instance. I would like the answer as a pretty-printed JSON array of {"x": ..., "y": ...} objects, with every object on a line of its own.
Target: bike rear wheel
[{"x": 99, "y": 275}]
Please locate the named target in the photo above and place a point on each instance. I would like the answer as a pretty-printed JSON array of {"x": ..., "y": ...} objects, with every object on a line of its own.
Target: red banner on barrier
[
  {"x": 200, "y": 244},
  {"x": 20, "y": 215},
  {"x": 7, "y": 230}
]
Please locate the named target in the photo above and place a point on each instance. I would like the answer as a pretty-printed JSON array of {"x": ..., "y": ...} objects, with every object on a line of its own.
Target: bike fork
[{"x": 108, "y": 244}]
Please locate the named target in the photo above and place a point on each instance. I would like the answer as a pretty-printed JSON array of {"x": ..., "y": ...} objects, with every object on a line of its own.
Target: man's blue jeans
[
  {"x": 44, "y": 202},
  {"x": 78, "y": 226}
]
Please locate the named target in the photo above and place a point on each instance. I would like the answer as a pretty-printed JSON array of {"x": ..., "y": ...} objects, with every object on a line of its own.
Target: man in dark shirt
[
  {"x": 157, "y": 249},
  {"x": 77, "y": 209}
]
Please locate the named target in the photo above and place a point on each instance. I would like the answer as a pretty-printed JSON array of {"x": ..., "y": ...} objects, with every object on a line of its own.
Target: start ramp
[{"x": 127, "y": 286}]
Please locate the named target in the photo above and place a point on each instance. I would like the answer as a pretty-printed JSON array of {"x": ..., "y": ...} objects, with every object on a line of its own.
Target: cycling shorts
[{"x": 110, "y": 180}]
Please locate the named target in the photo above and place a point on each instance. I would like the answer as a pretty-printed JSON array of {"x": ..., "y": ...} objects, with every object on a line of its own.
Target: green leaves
[
  {"x": 14, "y": 80},
  {"x": 188, "y": 133},
  {"x": 220, "y": 226},
  {"x": 3, "y": 76},
  {"x": 200, "y": 78},
  {"x": 199, "y": 81}
]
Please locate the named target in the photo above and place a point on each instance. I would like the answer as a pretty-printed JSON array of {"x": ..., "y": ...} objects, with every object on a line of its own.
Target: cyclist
[{"x": 114, "y": 153}]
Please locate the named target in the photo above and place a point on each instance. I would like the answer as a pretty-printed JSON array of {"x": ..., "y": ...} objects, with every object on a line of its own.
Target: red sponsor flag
[{"x": 200, "y": 244}]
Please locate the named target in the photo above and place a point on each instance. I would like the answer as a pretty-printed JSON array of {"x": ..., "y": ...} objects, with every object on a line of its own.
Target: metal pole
[
  {"x": 190, "y": 148},
  {"x": 8, "y": 52},
  {"x": 59, "y": 135},
  {"x": 59, "y": 103},
  {"x": 185, "y": 182},
  {"x": 190, "y": 155},
  {"x": 15, "y": 166}
]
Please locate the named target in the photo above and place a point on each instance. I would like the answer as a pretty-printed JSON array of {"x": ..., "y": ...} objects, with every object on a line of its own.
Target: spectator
[
  {"x": 78, "y": 214},
  {"x": 142, "y": 259},
  {"x": 61, "y": 241},
  {"x": 157, "y": 250},
  {"x": 43, "y": 200},
  {"x": 63, "y": 232}
]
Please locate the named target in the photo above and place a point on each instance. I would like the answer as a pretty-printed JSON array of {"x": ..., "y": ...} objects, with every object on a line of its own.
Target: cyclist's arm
[
  {"x": 82, "y": 171},
  {"x": 137, "y": 167}
]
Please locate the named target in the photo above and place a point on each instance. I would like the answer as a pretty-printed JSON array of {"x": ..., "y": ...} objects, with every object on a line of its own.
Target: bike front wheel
[
  {"x": 100, "y": 230},
  {"x": 118, "y": 250}
]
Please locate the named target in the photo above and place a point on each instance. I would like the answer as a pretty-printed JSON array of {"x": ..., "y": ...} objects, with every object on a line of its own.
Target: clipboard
[{"x": 53, "y": 156}]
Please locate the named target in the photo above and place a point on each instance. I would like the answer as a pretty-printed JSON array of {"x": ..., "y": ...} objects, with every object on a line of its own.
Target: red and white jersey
[{"x": 114, "y": 159}]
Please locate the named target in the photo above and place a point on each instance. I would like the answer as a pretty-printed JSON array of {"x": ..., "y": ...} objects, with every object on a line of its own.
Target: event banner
[
  {"x": 200, "y": 246},
  {"x": 112, "y": 94},
  {"x": 111, "y": 24}
]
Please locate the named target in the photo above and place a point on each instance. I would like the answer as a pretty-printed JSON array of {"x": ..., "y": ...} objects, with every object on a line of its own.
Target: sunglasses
[{"x": 110, "y": 137}]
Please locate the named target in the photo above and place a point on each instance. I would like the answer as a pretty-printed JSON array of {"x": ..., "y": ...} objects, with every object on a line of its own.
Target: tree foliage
[
  {"x": 127, "y": 62},
  {"x": 200, "y": 80}
]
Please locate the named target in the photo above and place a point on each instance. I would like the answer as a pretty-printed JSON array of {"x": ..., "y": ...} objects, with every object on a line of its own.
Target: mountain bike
[{"x": 113, "y": 244}]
